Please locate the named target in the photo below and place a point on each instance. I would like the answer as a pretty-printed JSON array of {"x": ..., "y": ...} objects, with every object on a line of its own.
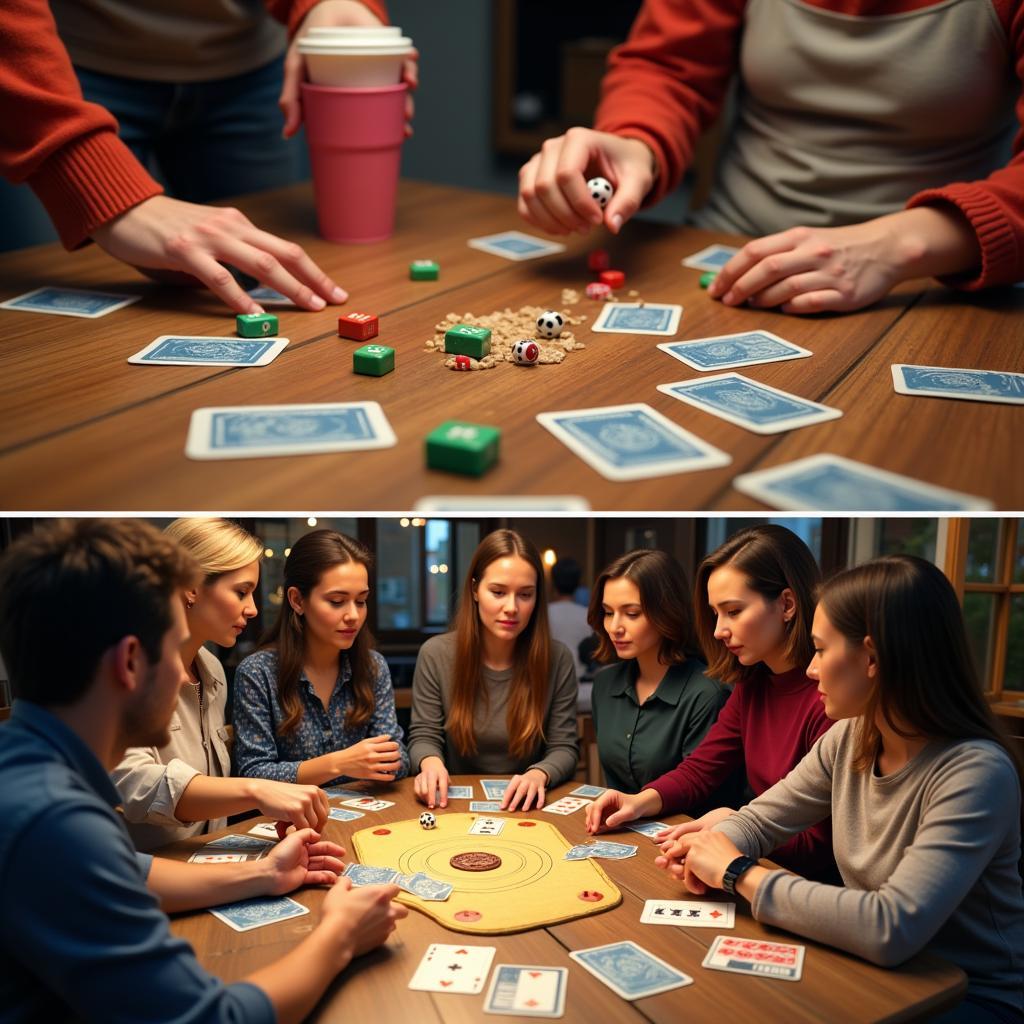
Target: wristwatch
[{"x": 732, "y": 873}]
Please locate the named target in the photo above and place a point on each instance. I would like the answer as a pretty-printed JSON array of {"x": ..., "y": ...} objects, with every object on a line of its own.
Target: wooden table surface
[
  {"x": 835, "y": 986},
  {"x": 84, "y": 430}
]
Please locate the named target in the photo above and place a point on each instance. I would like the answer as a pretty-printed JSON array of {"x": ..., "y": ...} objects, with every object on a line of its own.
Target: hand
[
  {"x": 699, "y": 859},
  {"x": 301, "y": 806},
  {"x": 366, "y": 913},
  {"x": 553, "y": 192},
  {"x": 376, "y": 758},
  {"x": 432, "y": 782},
  {"x": 612, "y": 809},
  {"x": 324, "y": 14},
  {"x": 170, "y": 235},
  {"x": 705, "y": 821},
  {"x": 303, "y": 858},
  {"x": 528, "y": 787}
]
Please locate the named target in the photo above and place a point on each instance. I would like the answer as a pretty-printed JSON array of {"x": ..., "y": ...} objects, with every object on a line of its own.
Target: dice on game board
[
  {"x": 255, "y": 325},
  {"x": 600, "y": 190},
  {"x": 427, "y": 820},
  {"x": 550, "y": 324},
  {"x": 357, "y": 326},
  {"x": 525, "y": 352}
]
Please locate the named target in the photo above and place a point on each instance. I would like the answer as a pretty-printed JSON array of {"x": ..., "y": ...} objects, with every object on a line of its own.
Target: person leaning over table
[
  {"x": 84, "y": 933},
  {"x": 754, "y": 600},
  {"x": 655, "y": 704},
  {"x": 184, "y": 788},
  {"x": 96, "y": 90},
  {"x": 923, "y": 789},
  {"x": 315, "y": 705},
  {"x": 496, "y": 695},
  {"x": 855, "y": 158}
]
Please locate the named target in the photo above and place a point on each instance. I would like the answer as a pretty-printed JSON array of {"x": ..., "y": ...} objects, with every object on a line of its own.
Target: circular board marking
[
  {"x": 468, "y": 915},
  {"x": 591, "y": 896},
  {"x": 475, "y": 861},
  {"x": 526, "y": 824},
  {"x": 382, "y": 831}
]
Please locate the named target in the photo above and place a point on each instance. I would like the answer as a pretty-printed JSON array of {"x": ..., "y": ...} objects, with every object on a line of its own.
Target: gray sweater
[
  {"x": 431, "y": 698},
  {"x": 928, "y": 855}
]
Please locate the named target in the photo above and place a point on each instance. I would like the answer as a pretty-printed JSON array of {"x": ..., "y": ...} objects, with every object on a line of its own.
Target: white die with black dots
[
  {"x": 601, "y": 191},
  {"x": 550, "y": 324},
  {"x": 427, "y": 820},
  {"x": 525, "y": 352}
]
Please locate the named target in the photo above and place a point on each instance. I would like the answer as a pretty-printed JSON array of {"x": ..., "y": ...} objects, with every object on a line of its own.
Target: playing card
[
  {"x": 729, "y": 350},
  {"x": 758, "y": 407},
  {"x": 607, "y": 850},
  {"x": 344, "y": 814},
  {"x": 192, "y": 350},
  {"x": 484, "y": 806},
  {"x": 588, "y": 791},
  {"x": 527, "y": 991},
  {"x": 579, "y": 852},
  {"x": 501, "y": 504},
  {"x": 953, "y": 382},
  {"x": 486, "y": 826},
  {"x": 830, "y": 483},
  {"x": 218, "y": 858},
  {"x": 690, "y": 913},
  {"x": 781, "y": 960},
  {"x": 367, "y": 874},
  {"x": 447, "y": 968},
  {"x": 460, "y": 792},
  {"x": 70, "y": 302},
  {"x": 267, "y": 296},
  {"x": 638, "y": 318},
  {"x": 240, "y": 844},
  {"x": 630, "y": 971},
  {"x": 494, "y": 789},
  {"x": 255, "y": 913},
  {"x": 252, "y": 431},
  {"x": 428, "y": 888},
  {"x": 368, "y": 803},
  {"x": 515, "y": 245},
  {"x": 648, "y": 828},
  {"x": 267, "y": 829},
  {"x": 341, "y": 793},
  {"x": 712, "y": 257},
  {"x": 567, "y": 805},
  {"x": 631, "y": 442}
]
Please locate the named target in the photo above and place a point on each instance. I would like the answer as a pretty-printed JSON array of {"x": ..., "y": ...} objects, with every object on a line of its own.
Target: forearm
[
  {"x": 649, "y": 803},
  {"x": 318, "y": 770},
  {"x": 206, "y": 798},
  {"x": 295, "y": 983},
  {"x": 931, "y": 241},
  {"x": 181, "y": 887}
]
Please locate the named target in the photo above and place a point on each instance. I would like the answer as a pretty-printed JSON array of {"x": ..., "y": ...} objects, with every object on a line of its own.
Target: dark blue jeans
[{"x": 204, "y": 140}]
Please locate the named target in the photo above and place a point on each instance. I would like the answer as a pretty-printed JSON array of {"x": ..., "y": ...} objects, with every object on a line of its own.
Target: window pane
[
  {"x": 983, "y": 551},
  {"x": 979, "y": 616},
  {"x": 398, "y": 575},
  {"x": 807, "y": 528},
  {"x": 1018, "y": 562},
  {"x": 1013, "y": 679},
  {"x": 906, "y": 537},
  {"x": 438, "y": 570}
]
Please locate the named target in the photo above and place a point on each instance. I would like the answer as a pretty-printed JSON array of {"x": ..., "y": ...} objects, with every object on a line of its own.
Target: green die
[
  {"x": 373, "y": 360},
  {"x": 424, "y": 270},
  {"x": 463, "y": 447},
  {"x": 707, "y": 277},
  {"x": 464, "y": 340},
  {"x": 255, "y": 325}
]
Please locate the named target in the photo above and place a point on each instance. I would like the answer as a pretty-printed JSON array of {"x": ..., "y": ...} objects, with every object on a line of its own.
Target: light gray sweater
[
  {"x": 431, "y": 698},
  {"x": 929, "y": 855}
]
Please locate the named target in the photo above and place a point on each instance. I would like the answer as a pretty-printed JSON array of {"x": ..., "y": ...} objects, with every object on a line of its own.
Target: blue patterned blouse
[{"x": 263, "y": 754}]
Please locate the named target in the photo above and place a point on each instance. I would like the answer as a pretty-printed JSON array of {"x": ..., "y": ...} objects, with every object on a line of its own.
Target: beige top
[
  {"x": 151, "y": 780},
  {"x": 183, "y": 41}
]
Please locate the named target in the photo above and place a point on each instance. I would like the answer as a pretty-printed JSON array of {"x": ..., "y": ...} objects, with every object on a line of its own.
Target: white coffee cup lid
[
  {"x": 355, "y": 31},
  {"x": 347, "y": 47}
]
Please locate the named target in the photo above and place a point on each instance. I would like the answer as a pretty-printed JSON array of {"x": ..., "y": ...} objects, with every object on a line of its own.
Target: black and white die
[
  {"x": 550, "y": 324},
  {"x": 427, "y": 820},
  {"x": 600, "y": 190},
  {"x": 525, "y": 352}
]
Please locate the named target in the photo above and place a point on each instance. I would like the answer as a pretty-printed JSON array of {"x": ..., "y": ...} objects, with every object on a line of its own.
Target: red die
[
  {"x": 462, "y": 363},
  {"x": 357, "y": 326},
  {"x": 612, "y": 278},
  {"x": 598, "y": 290},
  {"x": 598, "y": 260}
]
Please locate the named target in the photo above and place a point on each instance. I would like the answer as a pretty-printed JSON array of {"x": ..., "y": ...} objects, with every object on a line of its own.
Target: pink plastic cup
[{"x": 355, "y": 148}]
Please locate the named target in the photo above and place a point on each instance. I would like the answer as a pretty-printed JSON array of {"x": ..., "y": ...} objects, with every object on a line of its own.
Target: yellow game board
[{"x": 531, "y": 888}]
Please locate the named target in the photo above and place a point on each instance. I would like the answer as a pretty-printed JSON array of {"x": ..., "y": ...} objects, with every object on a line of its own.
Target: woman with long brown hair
[
  {"x": 496, "y": 695},
  {"x": 754, "y": 601},
  {"x": 652, "y": 702},
  {"x": 923, "y": 788},
  {"x": 316, "y": 704}
]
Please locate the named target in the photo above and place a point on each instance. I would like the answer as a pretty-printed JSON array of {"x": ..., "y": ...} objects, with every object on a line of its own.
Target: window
[{"x": 808, "y": 529}]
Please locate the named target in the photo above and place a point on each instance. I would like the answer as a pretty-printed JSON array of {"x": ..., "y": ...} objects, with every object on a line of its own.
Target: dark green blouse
[{"x": 638, "y": 743}]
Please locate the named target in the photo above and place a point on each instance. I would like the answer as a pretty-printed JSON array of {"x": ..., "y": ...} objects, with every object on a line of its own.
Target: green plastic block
[
  {"x": 424, "y": 270},
  {"x": 707, "y": 277},
  {"x": 464, "y": 340},
  {"x": 373, "y": 360},
  {"x": 255, "y": 325},
  {"x": 460, "y": 447}
]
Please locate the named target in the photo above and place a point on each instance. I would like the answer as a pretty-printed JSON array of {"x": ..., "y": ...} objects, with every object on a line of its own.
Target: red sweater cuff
[
  {"x": 88, "y": 182},
  {"x": 999, "y": 255}
]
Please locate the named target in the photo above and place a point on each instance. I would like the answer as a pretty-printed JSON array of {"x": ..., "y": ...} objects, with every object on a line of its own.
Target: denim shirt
[
  {"x": 261, "y": 752},
  {"x": 81, "y": 936}
]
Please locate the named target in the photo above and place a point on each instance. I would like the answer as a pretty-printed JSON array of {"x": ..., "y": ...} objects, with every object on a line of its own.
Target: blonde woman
[{"x": 184, "y": 788}]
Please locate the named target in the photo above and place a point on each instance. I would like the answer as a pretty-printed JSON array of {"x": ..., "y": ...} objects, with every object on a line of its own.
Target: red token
[
  {"x": 382, "y": 831},
  {"x": 598, "y": 260},
  {"x": 598, "y": 290},
  {"x": 468, "y": 915},
  {"x": 526, "y": 824},
  {"x": 462, "y": 363},
  {"x": 612, "y": 278},
  {"x": 591, "y": 896}
]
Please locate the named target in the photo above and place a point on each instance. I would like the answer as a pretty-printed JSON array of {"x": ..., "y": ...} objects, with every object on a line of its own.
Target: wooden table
[
  {"x": 835, "y": 986},
  {"x": 83, "y": 429}
]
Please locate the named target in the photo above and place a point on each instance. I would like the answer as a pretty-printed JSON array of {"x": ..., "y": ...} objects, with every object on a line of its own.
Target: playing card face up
[
  {"x": 780, "y": 960},
  {"x": 446, "y": 968},
  {"x": 689, "y": 913},
  {"x": 567, "y": 805},
  {"x": 527, "y": 991}
]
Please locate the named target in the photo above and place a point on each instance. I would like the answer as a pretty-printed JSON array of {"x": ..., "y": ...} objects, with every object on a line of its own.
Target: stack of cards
[
  {"x": 417, "y": 884},
  {"x": 601, "y": 848},
  {"x": 567, "y": 805},
  {"x": 690, "y": 913},
  {"x": 461, "y": 969},
  {"x": 630, "y": 971},
  {"x": 527, "y": 991},
  {"x": 780, "y": 960}
]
